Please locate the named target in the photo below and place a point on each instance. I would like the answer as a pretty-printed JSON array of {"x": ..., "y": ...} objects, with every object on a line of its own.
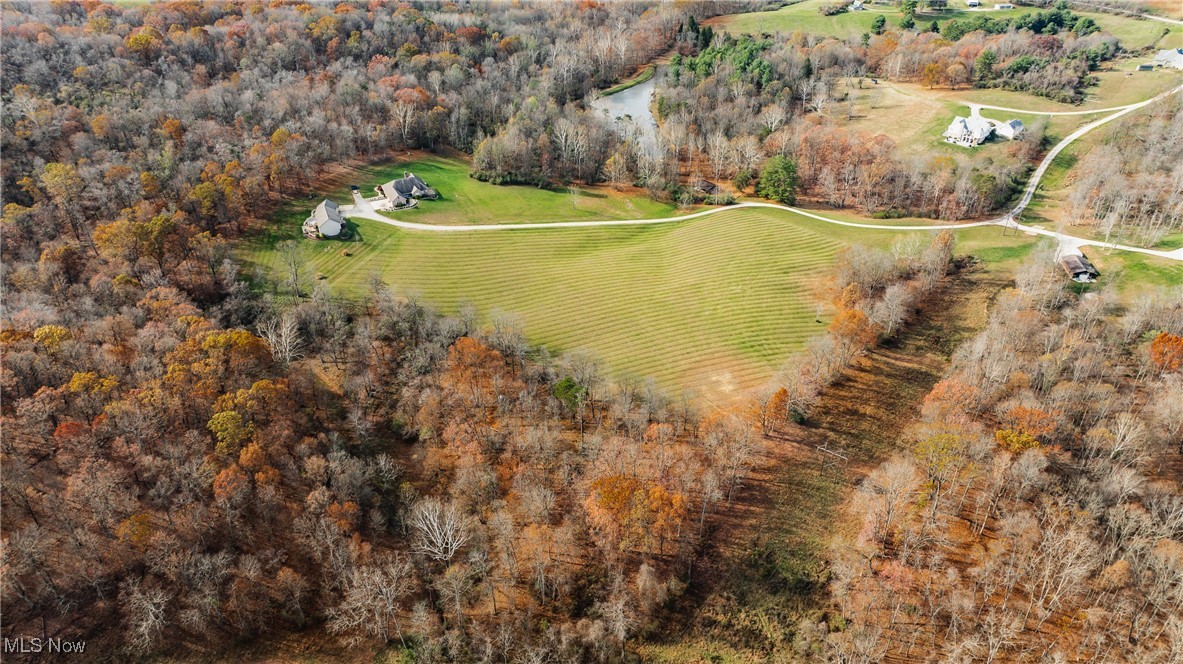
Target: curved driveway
[{"x": 361, "y": 208}]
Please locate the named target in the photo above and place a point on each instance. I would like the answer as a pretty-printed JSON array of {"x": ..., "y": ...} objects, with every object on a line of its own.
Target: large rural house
[
  {"x": 403, "y": 191},
  {"x": 969, "y": 132},
  {"x": 975, "y": 129},
  {"x": 325, "y": 220},
  {"x": 1169, "y": 57}
]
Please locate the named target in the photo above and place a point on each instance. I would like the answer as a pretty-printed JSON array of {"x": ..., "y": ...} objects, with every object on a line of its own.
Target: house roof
[
  {"x": 406, "y": 185},
  {"x": 1078, "y": 264},
  {"x": 975, "y": 127},
  {"x": 328, "y": 211},
  {"x": 1170, "y": 56},
  {"x": 391, "y": 193},
  {"x": 706, "y": 186}
]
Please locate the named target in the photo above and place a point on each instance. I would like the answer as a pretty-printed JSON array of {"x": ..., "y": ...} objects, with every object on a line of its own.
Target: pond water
[{"x": 630, "y": 109}]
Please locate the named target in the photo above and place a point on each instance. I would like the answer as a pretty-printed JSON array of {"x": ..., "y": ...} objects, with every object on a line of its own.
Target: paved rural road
[{"x": 363, "y": 209}]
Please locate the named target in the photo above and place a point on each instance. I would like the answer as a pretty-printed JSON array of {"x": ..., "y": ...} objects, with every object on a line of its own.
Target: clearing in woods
[
  {"x": 714, "y": 304},
  {"x": 768, "y": 570}
]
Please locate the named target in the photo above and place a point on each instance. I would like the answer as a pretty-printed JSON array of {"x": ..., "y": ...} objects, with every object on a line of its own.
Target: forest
[
  {"x": 191, "y": 465},
  {"x": 188, "y": 462},
  {"x": 1129, "y": 186},
  {"x": 1035, "y": 510}
]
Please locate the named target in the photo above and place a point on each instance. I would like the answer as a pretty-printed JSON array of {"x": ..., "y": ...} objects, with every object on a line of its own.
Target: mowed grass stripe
[{"x": 725, "y": 298}]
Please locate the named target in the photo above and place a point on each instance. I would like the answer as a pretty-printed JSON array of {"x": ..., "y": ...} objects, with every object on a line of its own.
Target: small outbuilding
[
  {"x": 706, "y": 187},
  {"x": 1004, "y": 5},
  {"x": 1009, "y": 130},
  {"x": 325, "y": 220},
  {"x": 1079, "y": 268}
]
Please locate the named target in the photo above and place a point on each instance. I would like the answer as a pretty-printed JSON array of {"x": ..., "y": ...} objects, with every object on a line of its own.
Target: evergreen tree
[{"x": 778, "y": 181}]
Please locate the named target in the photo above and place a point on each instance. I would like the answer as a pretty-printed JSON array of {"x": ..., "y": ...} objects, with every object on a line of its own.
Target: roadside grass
[
  {"x": 645, "y": 75},
  {"x": 1135, "y": 272},
  {"x": 1167, "y": 8},
  {"x": 1115, "y": 88},
  {"x": 1133, "y": 33}
]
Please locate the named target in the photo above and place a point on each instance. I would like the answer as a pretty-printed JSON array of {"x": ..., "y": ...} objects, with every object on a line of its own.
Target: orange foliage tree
[
  {"x": 1166, "y": 352},
  {"x": 1024, "y": 427}
]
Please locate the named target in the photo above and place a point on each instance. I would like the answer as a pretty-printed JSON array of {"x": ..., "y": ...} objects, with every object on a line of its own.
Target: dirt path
[{"x": 766, "y": 571}]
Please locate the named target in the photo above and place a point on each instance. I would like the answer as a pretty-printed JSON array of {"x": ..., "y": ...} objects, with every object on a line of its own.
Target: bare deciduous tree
[{"x": 440, "y": 527}]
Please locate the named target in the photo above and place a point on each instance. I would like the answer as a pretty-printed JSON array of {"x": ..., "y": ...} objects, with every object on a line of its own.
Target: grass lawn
[
  {"x": 717, "y": 303},
  {"x": 915, "y": 117},
  {"x": 1133, "y": 33},
  {"x": 465, "y": 200},
  {"x": 714, "y": 304}
]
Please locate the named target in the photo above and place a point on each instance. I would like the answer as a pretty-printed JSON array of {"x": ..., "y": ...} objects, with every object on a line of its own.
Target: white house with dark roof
[
  {"x": 1169, "y": 57},
  {"x": 325, "y": 220}
]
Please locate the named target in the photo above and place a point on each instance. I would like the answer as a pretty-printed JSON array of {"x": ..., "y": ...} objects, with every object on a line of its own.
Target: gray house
[
  {"x": 400, "y": 192},
  {"x": 325, "y": 220},
  {"x": 1169, "y": 57}
]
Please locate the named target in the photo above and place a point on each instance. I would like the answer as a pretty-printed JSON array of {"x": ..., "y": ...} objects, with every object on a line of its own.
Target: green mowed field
[
  {"x": 717, "y": 303},
  {"x": 805, "y": 16},
  {"x": 465, "y": 200},
  {"x": 714, "y": 305}
]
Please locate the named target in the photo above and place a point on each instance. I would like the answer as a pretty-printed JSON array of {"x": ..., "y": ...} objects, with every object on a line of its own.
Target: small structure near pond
[{"x": 325, "y": 220}]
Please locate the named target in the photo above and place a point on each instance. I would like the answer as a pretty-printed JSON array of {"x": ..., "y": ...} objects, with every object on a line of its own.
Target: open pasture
[{"x": 1134, "y": 33}]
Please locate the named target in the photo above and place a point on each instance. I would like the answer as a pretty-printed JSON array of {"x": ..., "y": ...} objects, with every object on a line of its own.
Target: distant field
[
  {"x": 915, "y": 117},
  {"x": 1132, "y": 32},
  {"x": 805, "y": 16},
  {"x": 1115, "y": 89},
  {"x": 465, "y": 200}
]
